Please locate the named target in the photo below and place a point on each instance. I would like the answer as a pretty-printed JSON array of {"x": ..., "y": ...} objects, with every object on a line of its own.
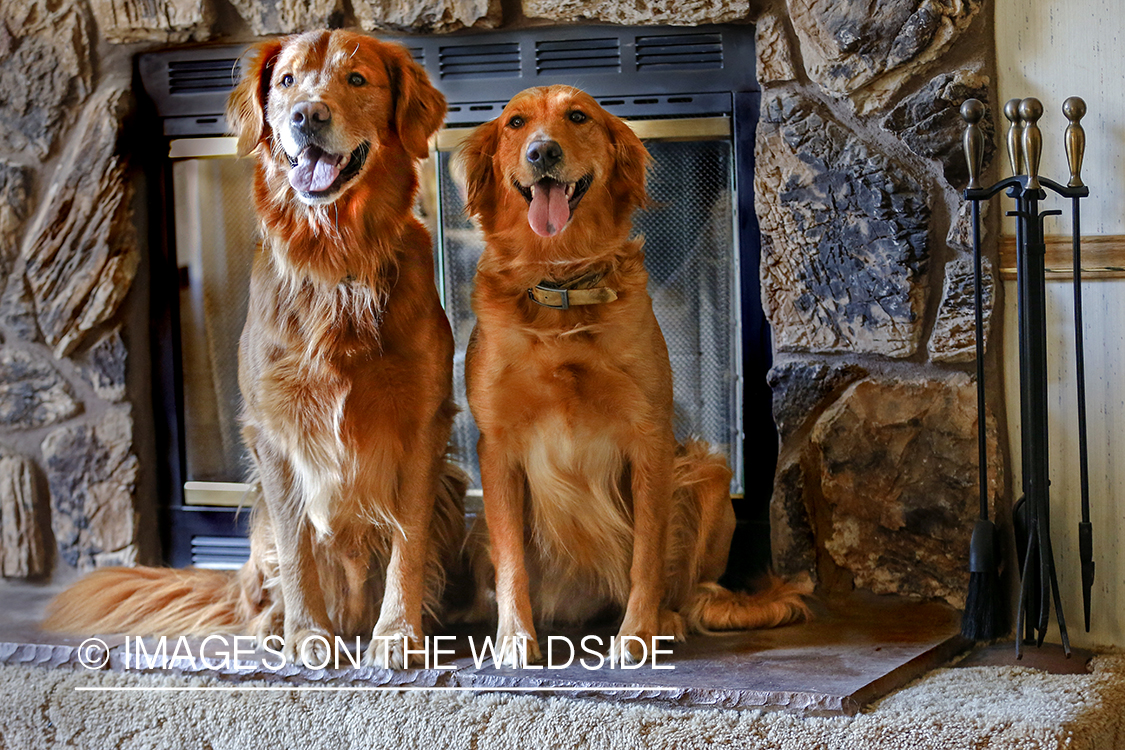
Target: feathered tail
[
  {"x": 149, "y": 601},
  {"x": 713, "y": 607}
]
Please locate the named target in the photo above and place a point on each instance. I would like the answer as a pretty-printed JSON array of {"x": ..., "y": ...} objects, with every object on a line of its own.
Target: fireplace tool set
[{"x": 1039, "y": 585}]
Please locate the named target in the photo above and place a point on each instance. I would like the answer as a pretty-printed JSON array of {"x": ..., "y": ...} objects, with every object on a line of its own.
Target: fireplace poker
[{"x": 1074, "y": 109}]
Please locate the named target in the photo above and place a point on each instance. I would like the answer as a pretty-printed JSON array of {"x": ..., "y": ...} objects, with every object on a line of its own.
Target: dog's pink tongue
[
  {"x": 315, "y": 170},
  {"x": 549, "y": 209}
]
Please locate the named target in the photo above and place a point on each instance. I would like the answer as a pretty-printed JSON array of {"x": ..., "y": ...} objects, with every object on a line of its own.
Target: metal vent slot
[
  {"x": 195, "y": 76},
  {"x": 419, "y": 55},
  {"x": 680, "y": 52},
  {"x": 577, "y": 55},
  {"x": 480, "y": 61},
  {"x": 219, "y": 552}
]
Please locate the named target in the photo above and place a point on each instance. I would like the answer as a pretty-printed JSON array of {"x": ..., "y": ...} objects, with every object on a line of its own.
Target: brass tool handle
[
  {"x": 1015, "y": 135},
  {"x": 973, "y": 140},
  {"x": 1031, "y": 109},
  {"x": 1074, "y": 109}
]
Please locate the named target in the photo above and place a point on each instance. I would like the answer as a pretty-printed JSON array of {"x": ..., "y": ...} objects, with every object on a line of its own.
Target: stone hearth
[{"x": 866, "y": 278}]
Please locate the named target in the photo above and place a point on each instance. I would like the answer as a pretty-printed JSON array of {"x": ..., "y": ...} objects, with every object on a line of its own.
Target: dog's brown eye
[
  {"x": 286, "y": 81},
  {"x": 516, "y": 122},
  {"x": 577, "y": 117},
  {"x": 355, "y": 79}
]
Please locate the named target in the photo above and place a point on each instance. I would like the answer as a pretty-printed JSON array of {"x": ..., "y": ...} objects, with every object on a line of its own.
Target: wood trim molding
[{"x": 1103, "y": 257}]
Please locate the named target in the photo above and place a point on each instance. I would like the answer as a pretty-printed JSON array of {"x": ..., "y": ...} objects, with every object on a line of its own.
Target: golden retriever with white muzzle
[{"x": 345, "y": 369}]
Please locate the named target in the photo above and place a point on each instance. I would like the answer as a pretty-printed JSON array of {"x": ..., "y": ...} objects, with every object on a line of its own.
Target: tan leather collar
[{"x": 562, "y": 295}]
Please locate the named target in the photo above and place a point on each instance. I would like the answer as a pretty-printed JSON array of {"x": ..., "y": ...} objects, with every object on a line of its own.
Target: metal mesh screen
[
  {"x": 693, "y": 275},
  {"x": 692, "y": 263}
]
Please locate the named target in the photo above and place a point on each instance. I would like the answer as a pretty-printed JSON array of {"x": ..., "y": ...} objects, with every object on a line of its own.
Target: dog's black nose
[
  {"x": 309, "y": 117},
  {"x": 544, "y": 154}
]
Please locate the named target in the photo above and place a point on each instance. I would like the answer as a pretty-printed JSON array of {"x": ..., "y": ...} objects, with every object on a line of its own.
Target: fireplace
[
  {"x": 864, "y": 258},
  {"x": 689, "y": 94}
]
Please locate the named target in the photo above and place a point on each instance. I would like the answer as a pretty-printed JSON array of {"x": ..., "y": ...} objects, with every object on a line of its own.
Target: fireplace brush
[
  {"x": 1039, "y": 587},
  {"x": 983, "y": 617}
]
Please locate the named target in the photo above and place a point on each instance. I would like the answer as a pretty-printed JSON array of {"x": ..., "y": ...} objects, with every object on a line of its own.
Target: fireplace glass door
[{"x": 216, "y": 233}]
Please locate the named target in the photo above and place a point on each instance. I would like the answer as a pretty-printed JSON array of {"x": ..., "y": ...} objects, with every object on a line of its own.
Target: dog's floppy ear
[
  {"x": 246, "y": 108},
  {"x": 474, "y": 162},
  {"x": 419, "y": 107},
  {"x": 631, "y": 162}
]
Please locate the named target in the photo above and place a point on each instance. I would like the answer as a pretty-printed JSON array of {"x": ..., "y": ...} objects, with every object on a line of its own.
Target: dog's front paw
[
  {"x": 394, "y": 647},
  {"x": 517, "y": 648},
  {"x": 311, "y": 647},
  {"x": 631, "y": 648},
  {"x": 637, "y": 645}
]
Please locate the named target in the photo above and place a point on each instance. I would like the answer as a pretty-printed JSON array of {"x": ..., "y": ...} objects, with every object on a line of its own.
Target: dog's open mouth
[
  {"x": 550, "y": 203},
  {"x": 317, "y": 174}
]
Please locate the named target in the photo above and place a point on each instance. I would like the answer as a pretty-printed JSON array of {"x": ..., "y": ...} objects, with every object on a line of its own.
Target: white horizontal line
[{"x": 377, "y": 688}]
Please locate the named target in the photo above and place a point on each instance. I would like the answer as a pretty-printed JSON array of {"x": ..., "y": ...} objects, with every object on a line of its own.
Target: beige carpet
[{"x": 972, "y": 707}]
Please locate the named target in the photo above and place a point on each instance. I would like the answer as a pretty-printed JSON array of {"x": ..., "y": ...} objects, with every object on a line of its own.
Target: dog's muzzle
[{"x": 316, "y": 172}]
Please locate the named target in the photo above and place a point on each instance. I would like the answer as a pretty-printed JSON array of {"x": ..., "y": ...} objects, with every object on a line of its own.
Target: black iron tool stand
[{"x": 1039, "y": 587}]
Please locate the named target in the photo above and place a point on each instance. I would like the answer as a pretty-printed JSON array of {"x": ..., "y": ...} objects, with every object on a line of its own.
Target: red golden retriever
[
  {"x": 345, "y": 370},
  {"x": 590, "y": 503}
]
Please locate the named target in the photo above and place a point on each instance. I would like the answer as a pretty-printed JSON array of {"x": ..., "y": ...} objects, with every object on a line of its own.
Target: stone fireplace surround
[{"x": 866, "y": 268}]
